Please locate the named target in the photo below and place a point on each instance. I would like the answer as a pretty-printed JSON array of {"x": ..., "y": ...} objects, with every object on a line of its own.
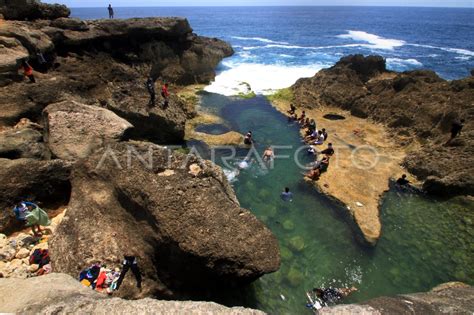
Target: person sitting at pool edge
[
  {"x": 302, "y": 118},
  {"x": 403, "y": 181},
  {"x": 286, "y": 195},
  {"x": 248, "y": 138},
  {"x": 292, "y": 109},
  {"x": 319, "y": 168},
  {"x": 320, "y": 139},
  {"x": 329, "y": 151}
]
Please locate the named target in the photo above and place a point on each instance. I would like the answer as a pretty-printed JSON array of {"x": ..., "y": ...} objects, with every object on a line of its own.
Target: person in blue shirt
[
  {"x": 287, "y": 195},
  {"x": 22, "y": 210}
]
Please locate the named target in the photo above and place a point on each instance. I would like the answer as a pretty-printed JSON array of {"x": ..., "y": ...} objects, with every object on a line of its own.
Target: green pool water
[{"x": 424, "y": 242}]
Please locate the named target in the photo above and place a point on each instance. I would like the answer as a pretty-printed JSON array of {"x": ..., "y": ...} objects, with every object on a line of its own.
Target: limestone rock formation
[
  {"x": 450, "y": 298},
  {"x": 74, "y": 130},
  {"x": 61, "y": 294},
  {"x": 416, "y": 105},
  {"x": 43, "y": 181},
  {"x": 106, "y": 63},
  {"x": 175, "y": 212},
  {"x": 23, "y": 141},
  {"x": 31, "y": 10}
]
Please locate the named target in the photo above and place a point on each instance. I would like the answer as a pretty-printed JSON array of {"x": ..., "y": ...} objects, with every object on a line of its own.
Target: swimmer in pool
[{"x": 268, "y": 155}]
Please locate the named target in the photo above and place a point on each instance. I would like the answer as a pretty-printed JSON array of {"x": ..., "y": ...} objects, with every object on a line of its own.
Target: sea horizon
[{"x": 281, "y": 6}]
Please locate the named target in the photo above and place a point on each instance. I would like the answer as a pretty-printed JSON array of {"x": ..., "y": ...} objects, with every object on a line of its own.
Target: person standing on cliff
[
  {"x": 111, "y": 11},
  {"x": 456, "y": 128},
  {"x": 130, "y": 262},
  {"x": 28, "y": 71},
  {"x": 150, "y": 86},
  {"x": 165, "y": 94}
]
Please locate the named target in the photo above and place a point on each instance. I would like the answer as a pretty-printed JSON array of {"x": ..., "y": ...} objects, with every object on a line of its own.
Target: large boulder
[
  {"x": 175, "y": 212},
  {"x": 61, "y": 294},
  {"x": 32, "y": 10},
  {"x": 42, "y": 181},
  {"x": 74, "y": 130}
]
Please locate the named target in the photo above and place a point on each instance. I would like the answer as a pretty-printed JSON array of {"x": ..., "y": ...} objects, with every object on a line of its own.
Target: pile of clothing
[
  {"x": 100, "y": 278},
  {"x": 40, "y": 257}
]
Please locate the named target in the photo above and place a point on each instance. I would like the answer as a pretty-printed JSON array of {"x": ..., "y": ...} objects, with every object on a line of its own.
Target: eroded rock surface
[
  {"x": 75, "y": 130},
  {"x": 61, "y": 294},
  {"x": 175, "y": 212},
  {"x": 106, "y": 63},
  {"x": 415, "y": 105}
]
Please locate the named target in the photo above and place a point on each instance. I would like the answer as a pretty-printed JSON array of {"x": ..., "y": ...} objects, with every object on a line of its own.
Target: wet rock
[
  {"x": 297, "y": 243},
  {"x": 198, "y": 239},
  {"x": 288, "y": 225},
  {"x": 295, "y": 277},
  {"x": 45, "y": 181},
  {"x": 32, "y": 10},
  {"x": 74, "y": 130}
]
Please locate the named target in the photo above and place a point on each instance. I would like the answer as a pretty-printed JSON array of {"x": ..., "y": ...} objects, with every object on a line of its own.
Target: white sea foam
[
  {"x": 463, "y": 58},
  {"x": 403, "y": 62},
  {"x": 304, "y": 47},
  {"x": 375, "y": 41},
  {"x": 260, "y": 39},
  {"x": 459, "y": 51},
  {"x": 263, "y": 79}
]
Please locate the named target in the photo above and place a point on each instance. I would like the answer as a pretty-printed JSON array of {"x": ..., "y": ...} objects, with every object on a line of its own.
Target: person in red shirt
[
  {"x": 28, "y": 70},
  {"x": 165, "y": 94}
]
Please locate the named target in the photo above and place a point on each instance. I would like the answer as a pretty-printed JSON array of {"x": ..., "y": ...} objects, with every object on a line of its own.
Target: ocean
[
  {"x": 424, "y": 241},
  {"x": 277, "y": 45}
]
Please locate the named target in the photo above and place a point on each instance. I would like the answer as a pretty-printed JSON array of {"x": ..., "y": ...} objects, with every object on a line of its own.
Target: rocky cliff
[
  {"x": 71, "y": 138},
  {"x": 31, "y": 10},
  {"x": 417, "y": 106},
  {"x": 106, "y": 63},
  {"x": 61, "y": 294}
]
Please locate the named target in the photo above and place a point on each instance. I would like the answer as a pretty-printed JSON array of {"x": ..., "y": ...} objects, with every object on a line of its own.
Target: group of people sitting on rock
[
  {"x": 313, "y": 137},
  {"x": 100, "y": 278}
]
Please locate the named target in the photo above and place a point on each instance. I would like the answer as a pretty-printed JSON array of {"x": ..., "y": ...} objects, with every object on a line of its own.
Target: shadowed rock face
[
  {"x": 32, "y": 10},
  {"x": 416, "y": 105},
  {"x": 179, "y": 216},
  {"x": 61, "y": 294},
  {"x": 42, "y": 181}
]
